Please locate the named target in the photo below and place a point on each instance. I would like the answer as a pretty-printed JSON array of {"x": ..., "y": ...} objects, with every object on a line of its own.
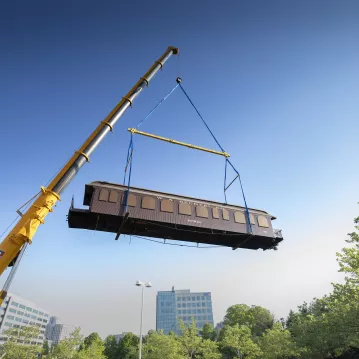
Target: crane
[{"x": 24, "y": 230}]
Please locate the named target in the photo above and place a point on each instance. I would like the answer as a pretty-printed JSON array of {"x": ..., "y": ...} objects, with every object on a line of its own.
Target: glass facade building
[
  {"x": 171, "y": 306},
  {"x": 17, "y": 312}
]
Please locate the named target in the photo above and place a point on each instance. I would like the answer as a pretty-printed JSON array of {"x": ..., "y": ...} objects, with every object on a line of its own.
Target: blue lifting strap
[
  {"x": 227, "y": 161},
  {"x": 158, "y": 105},
  {"x": 128, "y": 167}
]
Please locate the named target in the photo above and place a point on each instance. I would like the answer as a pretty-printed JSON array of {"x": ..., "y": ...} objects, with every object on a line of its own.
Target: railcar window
[
  {"x": 215, "y": 213},
  {"x": 185, "y": 208},
  {"x": 131, "y": 200},
  {"x": 167, "y": 206},
  {"x": 239, "y": 217},
  {"x": 202, "y": 211},
  {"x": 263, "y": 221},
  {"x": 252, "y": 219},
  {"x": 148, "y": 203},
  {"x": 103, "y": 195},
  {"x": 113, "y": 196},
  {"x": 225, "y": 214}
]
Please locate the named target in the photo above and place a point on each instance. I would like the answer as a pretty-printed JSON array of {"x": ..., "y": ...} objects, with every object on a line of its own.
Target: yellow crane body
[{"x": 25, "y": 229}]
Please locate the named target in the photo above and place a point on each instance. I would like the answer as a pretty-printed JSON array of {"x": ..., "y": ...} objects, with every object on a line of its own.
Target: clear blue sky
[{"x": 277, "y": 81}]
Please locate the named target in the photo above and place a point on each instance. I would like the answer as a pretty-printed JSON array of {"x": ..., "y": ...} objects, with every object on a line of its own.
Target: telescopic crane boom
[{"x": 25, "y": 229}]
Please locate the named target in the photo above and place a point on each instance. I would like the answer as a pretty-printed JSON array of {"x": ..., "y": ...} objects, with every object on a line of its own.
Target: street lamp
[{"x": 143, "y": 285}]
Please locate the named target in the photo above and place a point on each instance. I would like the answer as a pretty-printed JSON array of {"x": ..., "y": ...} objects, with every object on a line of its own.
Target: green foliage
[
  {"x": 256, "y": 318},
  {"x": 238, "y": 340},
  {"x": 193, "y": 346},
  {"x": 68, "y": 347},
  {"x": 128, "y": 346},
  {"x": 110, "y": 350},
  {"x": 92, "y": 348},
  {"x": 159, "y": 345},
  {"x": 329, "y": 327},
  {"x": 18, "y": 345},
  {"x": 208, "y": 332},
  {"x": 277, "y": 343},
  {"x": 45, "y": 348}
]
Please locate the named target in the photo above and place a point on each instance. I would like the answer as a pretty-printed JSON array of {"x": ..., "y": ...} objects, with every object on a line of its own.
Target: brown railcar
[{"x": 168, "y": 216}]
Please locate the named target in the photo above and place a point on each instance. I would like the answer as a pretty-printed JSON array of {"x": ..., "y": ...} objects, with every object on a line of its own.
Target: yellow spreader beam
[{"x": 134, "y": 131}]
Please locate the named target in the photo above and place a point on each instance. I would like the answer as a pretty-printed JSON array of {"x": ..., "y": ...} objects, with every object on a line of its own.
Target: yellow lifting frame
[{"x": 135, "y": 131}]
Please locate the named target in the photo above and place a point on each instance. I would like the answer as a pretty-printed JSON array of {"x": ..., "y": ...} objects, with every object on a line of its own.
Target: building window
[
  {"x": 167, "y": 206},
  {"x": 33, "y": 316},
  {"x": 7, "y": 324},
  {"x": 36, "y": 311},
  {"x": 27, "y": 315},
  {"x": 21, "y": 306},
  {"x": 225, "y": 214},
  {"x": 215, "y": 213},
  {"x": 203, "y": 304},
  {"x": 15, "y": 304},
  {"x": 113, "y": 198},
  {"x": 20, "y": 313},
  {"x": 148, "y": 203},
  {"x": 239, "y": 217},
  {"x": 202, "y": 211},
  {"x": 18, "y": 319},
  {"x": 10, "y": 317},
  {"x": 193, "y": 298},
  {"x": 198, "y": 298},
  {"x": 263, "y": 221},
  {"x": 12, "y": 310},
  {"x": 28, "y": 309},
  {"x": 198, "y": 304},
  {"x": 185, "y": 208},
  {"x": 103, "y": 196}
]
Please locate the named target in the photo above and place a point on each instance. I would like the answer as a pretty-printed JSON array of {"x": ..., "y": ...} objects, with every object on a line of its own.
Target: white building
[
  {"x": 57, "y": 331},
  {"x": 17, "y": 312}
]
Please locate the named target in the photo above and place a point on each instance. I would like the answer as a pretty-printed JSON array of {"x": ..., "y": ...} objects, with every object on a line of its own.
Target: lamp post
[{"x": 143, "y": 285}]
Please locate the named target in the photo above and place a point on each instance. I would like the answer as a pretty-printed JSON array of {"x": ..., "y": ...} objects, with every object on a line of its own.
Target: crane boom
[{"x": 26, "y": 227}]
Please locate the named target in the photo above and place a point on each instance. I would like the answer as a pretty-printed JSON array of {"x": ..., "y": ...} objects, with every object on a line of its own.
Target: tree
[
  {"x": 238, "y": 339},
  {"x": 208, "y": 332},
  {"x": 19, "y": 343},
  {"x": 277, "y": 343},
  {"x": 194, "y": 346},
  {"x": 45, "y": 348},
  {"x": 328, "y": 327},
  {"x": 159, "y": 345},
  {"x": 111, "y": 347},
  {"x": 92, "y": 348},
  {"x": 257, "y": 318},
  {"x": 92, "y": 338},
  {"x": 209, "y": 350},
  {"x": 68, "y": 347},
  {"x": 128, "y": 346}
]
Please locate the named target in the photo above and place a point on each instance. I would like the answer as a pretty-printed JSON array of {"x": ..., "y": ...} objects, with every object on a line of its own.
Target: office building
[
  {"x": 17, "y": 312},
  {"x": 57, "y": 330},
  {"x": 175, "y": 305}
]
